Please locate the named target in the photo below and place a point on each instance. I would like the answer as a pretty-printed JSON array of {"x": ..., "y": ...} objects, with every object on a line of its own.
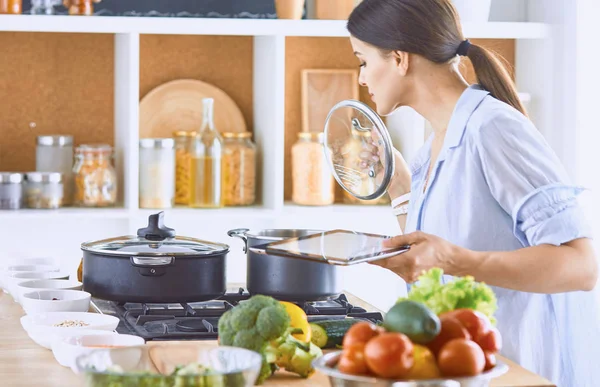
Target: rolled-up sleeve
[{"x": 529, "y": 182}]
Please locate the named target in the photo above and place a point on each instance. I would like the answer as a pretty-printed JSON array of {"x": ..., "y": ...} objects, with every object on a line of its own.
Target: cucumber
[
  {"x": 330, "y": 333},
  {"x": 414, "y": 320}
]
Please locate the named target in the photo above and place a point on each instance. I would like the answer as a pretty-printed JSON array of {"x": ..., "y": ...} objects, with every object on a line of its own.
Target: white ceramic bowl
[
  {"x": 41, "y": 301},
  {"x": 67, "y": 349},
  {"x": 46, "y": 284},
  {"x": 6, "y": 272},
  {"x": 17, "y": 278},
  {"x": 41, "y": 327}
]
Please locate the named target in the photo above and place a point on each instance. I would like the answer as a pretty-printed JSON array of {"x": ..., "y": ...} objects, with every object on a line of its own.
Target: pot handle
[
  {"x": 151, "y": 261},
  {"x": 240, "y": 233}
]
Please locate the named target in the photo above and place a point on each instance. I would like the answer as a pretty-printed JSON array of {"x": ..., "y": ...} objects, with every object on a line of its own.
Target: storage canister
[
  {"x": 239, "y": 169},
  {"x": 55, "y": 154},
  {"x": 183, "y": 166},
  {"x": 157, "y": 172},
  {"x": 312, "y": 182},
  {"x": 11, "y": 190},
  {"x": 43, "y": 190},
  {"x": 95, "y": 176}
]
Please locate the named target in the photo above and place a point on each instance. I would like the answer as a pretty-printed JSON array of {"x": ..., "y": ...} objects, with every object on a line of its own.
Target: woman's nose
[{"x": 361, "y": 79}]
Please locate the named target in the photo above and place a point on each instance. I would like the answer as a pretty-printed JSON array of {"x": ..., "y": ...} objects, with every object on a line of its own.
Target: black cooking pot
[{"x": 154, "y": 267}]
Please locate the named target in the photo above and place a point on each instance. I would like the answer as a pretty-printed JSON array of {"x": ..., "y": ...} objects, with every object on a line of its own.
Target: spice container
[
  {"x": 55, "y": 154},
  {"x": 183, "y": 176},
  {"x": 43, "y": 190},
  {"x": 11, "y": 190},
  {"x": 206, "y": 152},
  {"x": 312, "y": 182},
  {"x": 157, "y": 172},
  {"x": 14, "y": 7},
  {"x": 239, "y": 169},
  {"x": 95, "y": 176}
]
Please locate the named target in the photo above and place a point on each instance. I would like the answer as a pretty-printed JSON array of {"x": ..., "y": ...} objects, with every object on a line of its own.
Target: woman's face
[{"x": 384, "y": 76}]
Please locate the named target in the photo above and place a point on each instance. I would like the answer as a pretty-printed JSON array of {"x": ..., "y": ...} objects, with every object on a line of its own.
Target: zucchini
[{"x": 330, "y": 333}]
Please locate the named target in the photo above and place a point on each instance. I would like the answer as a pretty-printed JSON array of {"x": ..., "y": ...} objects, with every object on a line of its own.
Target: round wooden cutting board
[{"x": 177, "y": 105}]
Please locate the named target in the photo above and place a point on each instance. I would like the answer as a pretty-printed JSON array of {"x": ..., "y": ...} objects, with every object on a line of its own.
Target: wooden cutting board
[{"x": 177, "y": 105}]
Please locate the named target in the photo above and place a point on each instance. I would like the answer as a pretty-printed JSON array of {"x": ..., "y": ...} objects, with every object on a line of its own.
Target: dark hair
[{"x": 432, "y": 29}]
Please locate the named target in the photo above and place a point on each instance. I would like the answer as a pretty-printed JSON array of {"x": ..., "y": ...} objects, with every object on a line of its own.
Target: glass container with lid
[
  {"x": 239, "y": 169},
  {"x": 11, "y": 190},
  {"x": 157, "y": 173},
  {"x": 55, "y": 154},
  {"x": 347, "y": 122},
  {"x": 95, "y": 176},
  {"x": 183, "y": 165},
  {"x": 44, "y": 190},
  {"x": 312, "y": 184}
]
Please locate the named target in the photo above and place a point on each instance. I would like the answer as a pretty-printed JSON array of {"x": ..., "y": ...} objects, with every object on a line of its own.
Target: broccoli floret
[{"x": 261, "y": 324}]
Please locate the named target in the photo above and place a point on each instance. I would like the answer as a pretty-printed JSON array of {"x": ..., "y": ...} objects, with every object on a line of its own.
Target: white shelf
[
  {"x": 247, "y": 27},
  {"x": 66, "y": 213}
]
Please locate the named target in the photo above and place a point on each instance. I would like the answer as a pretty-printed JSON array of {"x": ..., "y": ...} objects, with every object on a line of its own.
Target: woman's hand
[
  {"x": 371, "y": 156},
  {"x": 426, "y": 251}
]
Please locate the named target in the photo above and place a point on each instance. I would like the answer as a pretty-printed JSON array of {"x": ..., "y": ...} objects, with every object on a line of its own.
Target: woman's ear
[{"x": 402, "y": 61}]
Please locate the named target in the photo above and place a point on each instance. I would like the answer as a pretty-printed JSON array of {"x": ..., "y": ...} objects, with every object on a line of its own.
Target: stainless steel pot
[{"x": 286, "y": 279}]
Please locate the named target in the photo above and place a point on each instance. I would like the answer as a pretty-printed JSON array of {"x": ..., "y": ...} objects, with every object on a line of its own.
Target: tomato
[
  {"x": 360, "y": 332},
  {"x": 490, "y": 360},
  {"x": 477, "y": 323},
  {"x": 491, "y": 342},
  {"x": 451, "y": 329},
  {"x": 461, "y": 357},
  {"x": 353, "y": 360},
  {"x": 390, "y": 355}
]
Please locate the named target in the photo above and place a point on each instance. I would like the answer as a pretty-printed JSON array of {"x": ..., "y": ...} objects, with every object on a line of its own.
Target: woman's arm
[
  {"x": 538, "y": 269},
  {"x": 400, "y": 184}
]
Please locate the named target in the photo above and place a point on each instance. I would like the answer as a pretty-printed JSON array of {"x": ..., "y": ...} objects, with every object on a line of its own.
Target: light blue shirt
[{"x": 498, "y": 186}]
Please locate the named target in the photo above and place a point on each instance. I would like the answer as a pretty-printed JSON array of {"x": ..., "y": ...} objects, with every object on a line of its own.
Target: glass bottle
[
  {"x": 239, "y": 169},
  {"x": 206, "y": 151}
]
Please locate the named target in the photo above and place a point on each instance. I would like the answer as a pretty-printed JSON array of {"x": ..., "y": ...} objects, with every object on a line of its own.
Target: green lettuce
[{"x": 462, "y": 292}]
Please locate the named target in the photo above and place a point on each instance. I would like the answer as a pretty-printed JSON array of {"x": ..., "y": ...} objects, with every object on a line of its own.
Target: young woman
[{"x": 486, "y": 195}]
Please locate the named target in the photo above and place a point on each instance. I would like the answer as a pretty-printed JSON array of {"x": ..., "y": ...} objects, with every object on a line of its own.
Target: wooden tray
[{"x": 177, "y": 105}]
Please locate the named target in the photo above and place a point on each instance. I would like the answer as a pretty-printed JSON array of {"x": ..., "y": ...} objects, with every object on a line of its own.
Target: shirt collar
[{"x": 466, "y": 105}]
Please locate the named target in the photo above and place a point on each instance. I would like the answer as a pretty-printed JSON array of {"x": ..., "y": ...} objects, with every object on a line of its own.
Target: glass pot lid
[
  {"x": 359, "y": 149},
  {"x": 155, "y": 240}
]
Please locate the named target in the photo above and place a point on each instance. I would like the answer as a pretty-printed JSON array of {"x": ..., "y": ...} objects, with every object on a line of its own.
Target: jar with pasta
[
  {"x": 183, "y": 166},
  {"x": 95, "y": 176},
  {"x": 312, "y": 181},
  {"x": 239, "y": 169}
]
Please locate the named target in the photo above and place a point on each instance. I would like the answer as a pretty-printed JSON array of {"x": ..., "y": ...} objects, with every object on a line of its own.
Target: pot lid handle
[{"x": 156, "y": 230}]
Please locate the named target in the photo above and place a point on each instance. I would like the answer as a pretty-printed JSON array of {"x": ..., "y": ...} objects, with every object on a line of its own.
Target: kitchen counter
[{"x": 24, "y": 363}]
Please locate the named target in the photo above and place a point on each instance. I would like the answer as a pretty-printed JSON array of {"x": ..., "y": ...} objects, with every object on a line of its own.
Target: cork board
[
  {"x": 61, "y": 82},
  {"x": 223, "y": 61},
  {"x": 336, "y": 53}
]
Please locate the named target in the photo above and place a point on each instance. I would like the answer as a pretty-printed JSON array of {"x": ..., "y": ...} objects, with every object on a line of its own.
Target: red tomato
[
  {"x": 390, "y": 355},
  {"x": 460, "y": 357},
  {"x": 451, "y": 329},
  {"x": 360, "y": 332},
  {"x": 491, "y": 342},
  {"x": 353, "y": 360},
  {"x": 490, "y": 360},
  {"x": 477, "y": 323}
]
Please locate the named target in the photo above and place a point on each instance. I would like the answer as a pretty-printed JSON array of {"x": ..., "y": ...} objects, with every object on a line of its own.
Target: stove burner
[{"x": 193, "y": 326}]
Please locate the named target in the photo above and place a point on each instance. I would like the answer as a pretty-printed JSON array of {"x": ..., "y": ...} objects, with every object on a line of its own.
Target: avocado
[{"x": 414, "y": 320}]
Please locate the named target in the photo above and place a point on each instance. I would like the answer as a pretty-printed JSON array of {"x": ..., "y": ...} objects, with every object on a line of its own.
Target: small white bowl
[
  {"x": 46, "y": 284},
  {"x": 16, "y": 278},
  {"x": 41, "y": 327},
  {"x": 67, "y": 349},
  {"x": 6, "y": 272},
  {"x": 41, "y": 301}
]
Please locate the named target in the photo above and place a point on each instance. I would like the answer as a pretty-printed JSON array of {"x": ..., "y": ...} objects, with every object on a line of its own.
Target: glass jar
[
  {"x": 14, "y": 7},
  {"x": 55, "y": 154},
  {"x": 11, "y": 190},
  {"x": 157, "y": 172},
  {"x": 95, "y": 176},
  {"x": 43, "y": 190},
  {"x": 239, "y": 169},
  {"x": 312, "y": 181},
  {"x": 183, "y": 177},
  {"x": 206, "y": 152}
]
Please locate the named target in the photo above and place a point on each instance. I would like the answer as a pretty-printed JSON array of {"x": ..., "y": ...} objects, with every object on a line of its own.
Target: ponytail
[{"x": 493, "y": 76}]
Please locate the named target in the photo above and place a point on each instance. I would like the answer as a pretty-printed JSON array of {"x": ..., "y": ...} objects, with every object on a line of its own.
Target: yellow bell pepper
[
  {"x": 425, "y": 366},
  {"x": 299, "y": 320}
]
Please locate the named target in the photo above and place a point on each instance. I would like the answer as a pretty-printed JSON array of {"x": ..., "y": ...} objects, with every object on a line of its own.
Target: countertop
[{"x": 24, "y": 363}]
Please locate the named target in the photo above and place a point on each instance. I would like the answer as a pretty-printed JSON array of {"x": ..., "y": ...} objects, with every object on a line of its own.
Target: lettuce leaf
[{"x": 462, "y": 292}]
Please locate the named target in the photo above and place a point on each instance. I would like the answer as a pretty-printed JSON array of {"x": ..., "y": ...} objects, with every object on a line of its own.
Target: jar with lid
[
  {"x": 55, "y": 154},
  {"x": 239, "y": 169},
  {"x": 183, "y": 177},
  {"x": 206, "y": 152},
  {"x": 11, "y": 190},
  {"x": 157, "y": 172},
  {"x": 312, "y": 181},
  {"x": 43, "y": 190},
  {"x": 95, "y": 176},
  {"x": 14, "y": 7}
]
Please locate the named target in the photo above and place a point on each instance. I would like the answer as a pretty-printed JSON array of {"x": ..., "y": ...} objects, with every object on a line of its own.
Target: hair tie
[{"x": 463, "y": 48}]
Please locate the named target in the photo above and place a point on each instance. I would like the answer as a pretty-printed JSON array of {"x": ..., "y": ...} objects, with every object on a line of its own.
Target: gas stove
[{"x": 200, "y": 320}]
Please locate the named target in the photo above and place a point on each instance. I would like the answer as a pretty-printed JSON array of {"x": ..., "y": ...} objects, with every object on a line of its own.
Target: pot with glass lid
[{"x": 155, "y": 266}]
